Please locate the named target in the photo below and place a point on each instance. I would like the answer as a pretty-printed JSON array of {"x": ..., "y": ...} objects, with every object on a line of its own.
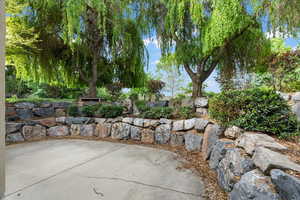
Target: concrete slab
[{"x": 92, "y": 170}]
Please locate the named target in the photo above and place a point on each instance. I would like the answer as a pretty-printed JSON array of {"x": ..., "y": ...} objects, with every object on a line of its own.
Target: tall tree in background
[
  {"x": 93, "y": 43},
  {"x": 209, "y": 34}
]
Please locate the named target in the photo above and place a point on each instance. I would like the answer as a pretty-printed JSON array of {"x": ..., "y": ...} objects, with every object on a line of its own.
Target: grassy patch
[{"x": 37, "y": 100}]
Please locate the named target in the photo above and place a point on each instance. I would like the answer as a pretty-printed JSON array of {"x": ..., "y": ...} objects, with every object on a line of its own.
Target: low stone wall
[
  {"x": 248, "y": 165},
  {"x": 27, "y": 111}
]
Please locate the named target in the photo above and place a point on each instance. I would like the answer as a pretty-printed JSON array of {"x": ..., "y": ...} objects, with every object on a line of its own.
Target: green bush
[
  {"x": 110, "y": 111},
  {"x": 254, "y": 110},
  {"x": 89, "y": 110},
  {"x": 73, "y": 111},
  {"x": 158, "y": 112},
  {"x": 142, "y": 106},
  {"x": 186, "y": 112}
]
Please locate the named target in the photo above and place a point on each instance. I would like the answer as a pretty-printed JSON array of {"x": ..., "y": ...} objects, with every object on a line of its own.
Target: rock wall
[{"x": 248, "y": 165}]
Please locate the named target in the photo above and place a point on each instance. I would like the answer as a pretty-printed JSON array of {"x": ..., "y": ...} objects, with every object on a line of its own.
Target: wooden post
[{"x": 2, "y": 98}]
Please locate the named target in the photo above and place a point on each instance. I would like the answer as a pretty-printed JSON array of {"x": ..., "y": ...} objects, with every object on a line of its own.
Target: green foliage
[
  {"x": 110, "y": 111},
  {"x": 89, "y": 110},
  {"x": 73, "y": 111},
  {"x": 186, "y": 112},
  {"x": 15, "y": 99},
  {"x": 142, "y": 106},
  {"x": 158, "y": 112},
  {"x": 254, "y": 110}
]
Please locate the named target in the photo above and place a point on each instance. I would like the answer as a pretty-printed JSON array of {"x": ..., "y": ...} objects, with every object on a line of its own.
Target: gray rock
[
  {"x": 178, "y": 125},
  {"x": 15, "y": 137},
  {"x": 202, "y": 111},
  {"x": 138, "y": 122},
  {"x": 44, "y": 112},
  {"x": 120, "y": 131},
  {"x": 13, "y": 127},
  {"x": 87, "y": 130},
  {"x": 296, "y": 110},
  {"x": 249, "y": 141},
  {"x": 218, "y": 152},
  {"x": 25, "y": 105},
  {"x": 254, "y": 186},
  {"x": 231, "y": 167},
  {"x": 128, "y": 120},
  {"x": 61, "y": 104},
  {"x": 100, "y": 120},
  {"x": 77, "y": 120},
  {"x": 189, "y": 124},
  {"x": 58, "y": 131},
  {"x": 267, "y": 160},
  {"x": 45, "y": 105},
  {"x": 114, "y": 120},
  {"x": 233, "y": 132},
  {"x": 24, "y": 114},
  {"x": 34, "y": 132},
  {"x": 201, "y": 102},
  {"x": 201, "y": 124},
  {"x": 61, "y": 120},
  {"x": 151, "y": 123},
  {"x": 103, "y": 130},
  {"x": 187, "y": 102},
  {"x": 296, "y": 97},
  {"x": 177, "y": 139},
  {"x": 211, "y": 136},
  {"x": 148, "y": 136},
  {"x": 287, "y": 186},
  {"x": 165, "y": 121},
  {"x": 136, "y": 133},
  {"x": 193, "y": 141},
  {"x": 75, "y": 130},
  {"x": 163, "y": 134}
]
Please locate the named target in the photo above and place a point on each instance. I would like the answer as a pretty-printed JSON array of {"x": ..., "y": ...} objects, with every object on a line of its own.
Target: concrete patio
[{"x": 93, "y": 170}]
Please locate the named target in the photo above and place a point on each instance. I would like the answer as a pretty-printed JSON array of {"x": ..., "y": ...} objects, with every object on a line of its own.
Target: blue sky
[{"x": 212, "y": 85}]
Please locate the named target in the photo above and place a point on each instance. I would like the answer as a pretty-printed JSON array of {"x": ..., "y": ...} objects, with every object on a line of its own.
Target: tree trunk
[
  {"x": 197, "y": 88},
  {"x": 93, "y": 84}
]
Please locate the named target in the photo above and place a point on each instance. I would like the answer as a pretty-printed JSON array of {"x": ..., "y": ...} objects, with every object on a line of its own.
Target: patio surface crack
[{"x": 144, "y": 184}]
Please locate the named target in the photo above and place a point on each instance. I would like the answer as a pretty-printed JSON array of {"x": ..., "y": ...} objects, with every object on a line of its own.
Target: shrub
[
  {"x": 142, "y": 106},
  {"x": 186, "y": 112},
  {"x": 158, "y": 112},
  {"x": 110, "y": 111},
  {"x": 89, "y": 110},
  {"x": 254, "y": 110},
  {"x": 73, "y": 111}
]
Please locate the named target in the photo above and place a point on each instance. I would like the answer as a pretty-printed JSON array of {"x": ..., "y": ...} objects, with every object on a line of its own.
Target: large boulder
[
  {"x": 232, "y": 167},
  {"x": 201, "y": 124},
  {"x": 77, "y": 120},
  {"x": 14, "y": 137},
  {"x": 201, "y": 102},
  {"x": 163, "y": 134},
  {"x": 177, "y": 139},
  {"x": 120, "y": 131},
  {"x": 100, "y": 120},
  {"x": 249, "y": 141},
  {"x": 58, "y": 131},
  {"x": 165, "y": 121},
  {"x": 189, "y": 124},
  {"x": 287, "y": 186},
  {"x": 254, "y": 186},
  {"x": 24, "y": 114},
  {"x": 218, "y": 152},
  {"x": 34, "y": 132},
  {"x": 87, "y": 130},
  {"x": 136, "y": 133},
  {"x": 267, "y": 160},
  {"x": 128, "y": 120},
  {"x": 193, "y": 141},
  {"x": 202, "y": 112},
  {"x": 25, "y": 105},
  {"x": 148, "y": 136},
  {"x": 296, "y": 110},
  {"x": 178, "y": 125},
  {"x": 61, "y": 120},
  {"x": 13, "y": 127},
  {"x": 211, "y": 136},
  {"x": 233, "y": 132},
  {"x": 138, "y": 122},
  {"x": 103, "y": 130},
  {"x": 44, "y": 112},
  {"x": 47, "y": 122},
  {"x": 151, "y": 123}
]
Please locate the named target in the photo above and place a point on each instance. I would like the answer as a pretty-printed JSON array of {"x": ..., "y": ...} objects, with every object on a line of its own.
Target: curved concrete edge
[{"x": 2, "y": 98}]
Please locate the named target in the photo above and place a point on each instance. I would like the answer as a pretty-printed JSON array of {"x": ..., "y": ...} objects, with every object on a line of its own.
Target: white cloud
[{"x": 151, "y": 40}]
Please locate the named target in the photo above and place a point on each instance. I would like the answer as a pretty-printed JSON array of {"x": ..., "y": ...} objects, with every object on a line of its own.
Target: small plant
[
  {"x": 110, "y": 111},
  {"x": 186, "y": 112},
  {"x": 142, "y": 106},
  {"x": 89, "y": 110},
  {"x": 158, "y": 112},
  {"x": 73, "y": 111}
]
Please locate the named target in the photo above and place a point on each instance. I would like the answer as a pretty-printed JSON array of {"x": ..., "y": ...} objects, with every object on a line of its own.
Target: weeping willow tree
[
  {"x": 226, "y": 34},
  {"x": 82, "y": 43}
]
